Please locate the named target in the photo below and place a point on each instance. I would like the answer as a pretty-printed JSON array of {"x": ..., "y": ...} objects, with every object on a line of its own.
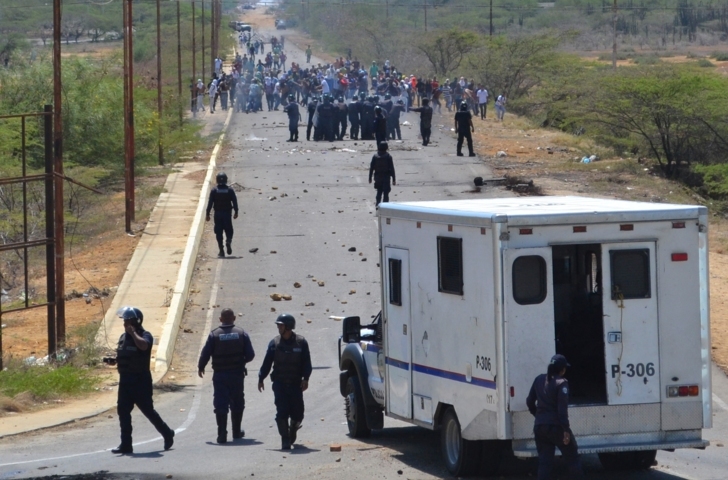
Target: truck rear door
[
  {"x": 398, "y": 346},
  {"x": 529, "y": 319},
  {"x": 630, "y": 323}
]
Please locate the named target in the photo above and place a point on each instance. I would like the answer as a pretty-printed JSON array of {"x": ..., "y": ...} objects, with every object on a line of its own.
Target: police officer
[
  {"x": 382, "y": 168},
  {"x": 230, "y": 349},
  {"x": 464, "y": 128},
  {"x": 224, "y": 200},
  {"x": 380, "y": 125},
  {"x": 548, "y": 401},
  {"x": 311, "y": 112},
  {"x": 387, "y": 104},
  {"x": 326, "y": 117},
  {"x": 290, "y": 358},
  {"x": 133, "y": 356},
  {"x": 425, "y": 112},
  {"x": 354, "y": 108},
  {"x": 367, "y": 119},
  {"x": 342, "y": 111},
  {"x": 393, "y": 121},
  {"x": 294, "y": 116}
]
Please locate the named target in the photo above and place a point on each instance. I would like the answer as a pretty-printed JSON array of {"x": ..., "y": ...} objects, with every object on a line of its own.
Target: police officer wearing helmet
[
  {"x": 382, "y": 168},
  {"x": 290, "y": 358},
  {"x": 380, "y": 125},
  {"x": 548, "y": 401},
  {"x": 425, "y": 112},
  {"x": 464, "y": 128},
  {"x": 294, "y": 116},
  {"x": 224, "y": 200},
  {"x": 133, "y": 356},
  {"x": 311, "y": 108},
  {"x": 230, "y": 349}
]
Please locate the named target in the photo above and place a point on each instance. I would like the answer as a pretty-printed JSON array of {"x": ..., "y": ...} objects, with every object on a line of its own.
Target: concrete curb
[{"x": 165, "y": 348}]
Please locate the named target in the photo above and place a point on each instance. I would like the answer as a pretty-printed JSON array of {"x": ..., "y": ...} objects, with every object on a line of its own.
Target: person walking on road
[
  {"x": 294, "y": 116},
  {"x": 548, "y": 401},
  {"x": 500, "y": 107},
  {"x": 425, "y": 112},
  {"x": 308, "y": 54},
  {"x": 464, "y": 128},
  {"x": 133, "y": 356},
  {"x": 290, "y": 358},
  {"x": 224, "y": 200},
  {"x": 382, "y": 169},
  {"x": 380, "y": 125},
  {"x": 200, "y": 95},
  {"x": 230, "y": 349},
  {"x": 482, "y": 94}
]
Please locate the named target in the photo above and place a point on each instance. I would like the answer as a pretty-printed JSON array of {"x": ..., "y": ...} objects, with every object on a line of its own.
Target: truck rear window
[
  {"x": 450, "y": 265},
  {"x": 395, "y": 282},
  {"x": 529, "y": 280},
  {"x": 630, "y": 273}
]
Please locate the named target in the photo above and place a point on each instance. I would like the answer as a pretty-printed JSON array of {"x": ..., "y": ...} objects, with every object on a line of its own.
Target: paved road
[{"x": 302, "y": 205}]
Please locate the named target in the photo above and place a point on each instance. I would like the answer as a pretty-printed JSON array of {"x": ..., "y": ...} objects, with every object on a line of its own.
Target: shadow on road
[
  {"x": 419, "y": 449},
  {"x": 242, "y": 442},
  {"x": 302, "y": 450}
]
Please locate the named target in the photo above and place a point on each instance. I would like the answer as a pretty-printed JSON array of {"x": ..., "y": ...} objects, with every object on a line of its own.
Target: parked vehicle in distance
[
  {"x": 281, "y": 24},
  {"x": 477, "y": 295},
  {"x": 248, "y": 6},
  {"x": 243, "y": 27}
]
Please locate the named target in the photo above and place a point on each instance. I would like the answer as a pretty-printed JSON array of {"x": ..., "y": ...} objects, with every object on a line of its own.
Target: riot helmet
[
  {"x": 387, "y": 96},
  {"x": 464, "y": 107},
  {"x": 131, "y": 313},
  {"x": 287, "y": 320},
  {"x": 340, "y": 99},
  {"x": 221, "y": 178},
  {"x": 377, "y": 109},
  {"x": 291, "y": 97},
  {"x": 362, "y": 96},
  {"x": 425, "y": 101},
  {"x": 383, "y": 146}
]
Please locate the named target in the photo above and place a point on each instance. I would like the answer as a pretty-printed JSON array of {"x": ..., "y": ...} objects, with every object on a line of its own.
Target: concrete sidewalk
[{"x": 156, "y": 280}]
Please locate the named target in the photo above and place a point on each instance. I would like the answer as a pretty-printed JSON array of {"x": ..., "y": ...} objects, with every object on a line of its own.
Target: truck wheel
[
  {"x": 461, "y": 456},
  {"x": 355, "y": 409},
  {"x": 641, "y": 460}
]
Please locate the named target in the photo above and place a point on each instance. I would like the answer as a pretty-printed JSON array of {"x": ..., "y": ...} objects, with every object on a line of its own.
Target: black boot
[
  {"x": 221, "y": 427},
  {"x": 123, "y": 450},
  {"x": 237, "y": 419},
  {"x": 169, "y": 439},
  {"x": 221, "y": 253},
  {"x": 229, "y": 246},
  {"x": 283, "y": 430},
  {"x": 293, "y": 431}
]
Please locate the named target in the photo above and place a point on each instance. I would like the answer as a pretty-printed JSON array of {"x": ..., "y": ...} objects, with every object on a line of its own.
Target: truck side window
[
  {"x": 529, "y": 280},
  {"x": 450, "y": 265},
  {"x": 395, "y": 282},
  {"x": 630, "y": 273}
]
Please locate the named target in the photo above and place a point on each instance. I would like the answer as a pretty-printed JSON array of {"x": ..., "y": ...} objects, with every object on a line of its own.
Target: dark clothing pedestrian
[
  {"x": 380, "y": 128},
  {"x": 224, "y": 201},
  {"x": 230, "y": 349},
  {"x": 311, "y": 112},
  {"x": 291, "y": 363},
  {"x": 464, "y": 126},
  {"x": 354, "y": 114},
  {"x": 382, "y": 169},
  {"x": 294, "y": 116},
  {"x": 548, "y": 401},
  {"x": 326, "y": 117},
  {"x": 135, "y": 388},
  {"x": 342, "y": 112},
  {"x": 425, "y": 122},
  {"x": 367, "y": 120},
  {"x": 393, "y": 122}
]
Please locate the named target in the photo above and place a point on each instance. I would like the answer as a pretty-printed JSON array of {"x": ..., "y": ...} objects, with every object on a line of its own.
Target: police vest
[
  {"x": 381, "y": 167},
  {"x": 221, "y": 201},
  {"x": 354, "y": 109},
  {"x": 326, "y": 111},
  {"x": 426, "y": 117},
  {"x": 129, "y": 358},
  {"x": 228, "y": 348},
  {"x": 288, "y": 359}
]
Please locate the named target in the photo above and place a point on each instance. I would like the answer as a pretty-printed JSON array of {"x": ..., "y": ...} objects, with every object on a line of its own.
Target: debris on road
[
  {"x": 334, "y": 448},
  {"x": 296, "y": 285},
  {"x": 309, "y": 304},
  {"x": 253, "y": 250},
  {"x": 321, "y": 283},
  {"x": 276, "y": 297},
  {"x": 352, "y": 249}
]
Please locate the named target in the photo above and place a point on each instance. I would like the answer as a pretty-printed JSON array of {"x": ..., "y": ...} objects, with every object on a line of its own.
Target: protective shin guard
[
  {"x": 221, "y": 427},
  {"x": 237, "y": 419},
  {"x": 283, "y": 430}
]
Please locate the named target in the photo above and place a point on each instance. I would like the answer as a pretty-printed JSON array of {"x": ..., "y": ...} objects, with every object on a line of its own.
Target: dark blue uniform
[
  {"x": 291, "y": 363},
  {"x": 366, "y": 122},
  {"x": 230, "y": 349},
  {"x": 135, "y": 386},
  {"x": 425, "y": 112},
  {"x": 380, "y": 128},
  {"x": 224, "y": 200},
  {"x": 326, "y": 118},
  {"x": 354, "y": 112},
  {"x": 311, "y": 111},
  {"x": 382, "y": 169},
  {"x": 294, "y": 116},
  {"x": 548, "y": 401}
]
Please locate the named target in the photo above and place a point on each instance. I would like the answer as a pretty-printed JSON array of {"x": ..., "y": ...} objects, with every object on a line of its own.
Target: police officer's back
[
  {"x": 382, "y": 169},
  {"x": 224, "y": 201}
]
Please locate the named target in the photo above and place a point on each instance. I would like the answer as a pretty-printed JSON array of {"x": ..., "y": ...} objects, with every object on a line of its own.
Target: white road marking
[
  {"x": 717, "y": 400},
  {"x": 196, "y": 398}
]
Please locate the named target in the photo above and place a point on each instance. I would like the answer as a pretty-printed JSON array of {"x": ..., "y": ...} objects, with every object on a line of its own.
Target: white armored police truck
[{"x": 477, "y": 296}]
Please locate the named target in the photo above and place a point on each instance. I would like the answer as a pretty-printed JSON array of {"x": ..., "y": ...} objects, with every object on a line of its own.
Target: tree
[{"x": 446, "y": 50}]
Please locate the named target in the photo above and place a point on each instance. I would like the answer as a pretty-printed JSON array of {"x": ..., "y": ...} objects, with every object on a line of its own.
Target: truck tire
[
  {"x": 615, "y": 461},
  {"x": 356, "y": 417},
  {"x": 461, "y": 456}
]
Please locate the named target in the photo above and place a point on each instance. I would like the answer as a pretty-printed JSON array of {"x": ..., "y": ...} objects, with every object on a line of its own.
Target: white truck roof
[{"x": 538, "y": 211}]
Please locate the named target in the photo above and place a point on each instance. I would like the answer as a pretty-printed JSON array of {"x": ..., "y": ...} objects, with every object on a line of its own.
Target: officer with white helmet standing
[
  {"x": 290, "y": 358},
  {"x": 133, "y": 356},
  {"x": 224, "y": 200}
]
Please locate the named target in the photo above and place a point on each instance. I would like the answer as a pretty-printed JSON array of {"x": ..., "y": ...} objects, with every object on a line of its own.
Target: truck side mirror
[{"x": 352, "y": 329}]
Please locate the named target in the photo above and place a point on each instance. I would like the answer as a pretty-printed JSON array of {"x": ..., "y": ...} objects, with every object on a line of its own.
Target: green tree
[{"x": 446, "y": 50}]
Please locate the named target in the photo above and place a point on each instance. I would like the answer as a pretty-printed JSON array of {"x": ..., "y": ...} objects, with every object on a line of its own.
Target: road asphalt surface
[{"x": 302, "y": 206}]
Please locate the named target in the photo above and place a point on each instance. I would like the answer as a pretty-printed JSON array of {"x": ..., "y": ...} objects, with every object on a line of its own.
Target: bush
[
  {"x": 646, "y": 60},
  {"x": 720, "y": 56},
  {"x": 46, "y": 382},
  {"x": 705, "y": 63},
  {"x": 714, "y": 180}
]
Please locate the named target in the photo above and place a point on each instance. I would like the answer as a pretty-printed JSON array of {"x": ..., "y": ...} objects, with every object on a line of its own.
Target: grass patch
[
  {"x": 705, "y": 63},
  {"x": 646, "y": 60},
  {"x": 720, "y": 56},
  {"x": 46, "y": 382}
]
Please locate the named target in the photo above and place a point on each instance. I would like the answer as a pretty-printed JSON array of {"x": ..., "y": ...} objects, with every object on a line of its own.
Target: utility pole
[
  {"x": 387, "y": 9},
  {"x": 491, "y": 18},
  {"x": 194, "y": 47},
  {"x": 60, "y": 300},
  {"x": 160, "y": 149},
  {"x": 128, "y": 115},
  {"x": 179, "y": 65},
  {"x": 213, "y": 52},
  {"x": 614, "y": 36},
  {"x": 425, "y": 16},
  {"x": 204, "y": 79}
]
